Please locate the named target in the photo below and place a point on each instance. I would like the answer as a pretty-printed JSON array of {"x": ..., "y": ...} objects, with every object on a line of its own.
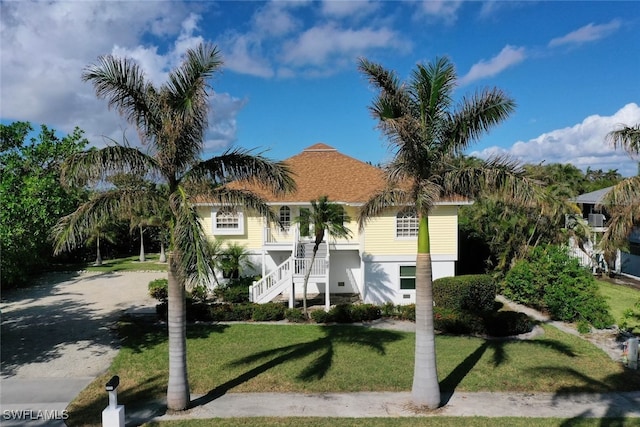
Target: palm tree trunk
[
  {"x": 163, "y": 255},
  {"x": 178, "y": 397},
  {"x": 98, "y": 256},
  {"x": 306, "y": 282},
  {"x": 142, "y": 257},
  {"x": 425, "y": 390}
]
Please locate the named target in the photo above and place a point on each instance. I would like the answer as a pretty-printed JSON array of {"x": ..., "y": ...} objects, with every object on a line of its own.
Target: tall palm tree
[
  {"x": 324, "y": 217},
  {"x": 171, "y": 121},
  {"x": 427, "y": 135},
  {"x": 623, "y": 201}
]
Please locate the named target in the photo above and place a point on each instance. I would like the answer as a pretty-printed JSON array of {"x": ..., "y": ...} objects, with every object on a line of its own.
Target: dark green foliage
[
  {"x": 507, "y": 323},
  {"x": 474, "y": 293},
  {"x": 268, "y": 312},
  {"x": 235, "y": 292},
  {"x": 199, "y": 293},
  {"x": 294, "y": 315},
  {"x": 158, "y": 289},
  {"x": 450, "y": 321},
  {"x": 320, "y": 316},
  {"x": 365, "y": 312},
  {"x": 341, "y": 313},
  {"x": 232, "y": 312},
  {"x": 32, "y": 197},
  {"x": 551, "y": 280}
]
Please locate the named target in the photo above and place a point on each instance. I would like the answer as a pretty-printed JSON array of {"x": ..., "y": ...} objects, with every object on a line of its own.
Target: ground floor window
[{"x": 407, "y": 277}]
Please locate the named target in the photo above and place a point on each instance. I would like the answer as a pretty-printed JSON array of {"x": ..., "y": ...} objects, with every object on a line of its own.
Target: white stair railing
[{"x": 272, "y": 284}]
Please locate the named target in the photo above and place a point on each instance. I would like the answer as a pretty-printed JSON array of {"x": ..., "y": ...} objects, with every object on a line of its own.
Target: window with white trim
[
  {"x": 407, "y": 277},
  {"x": 285, "y": 217},
  {"x": 227, "y": 220},
  {"x": 407, "y": 223}
]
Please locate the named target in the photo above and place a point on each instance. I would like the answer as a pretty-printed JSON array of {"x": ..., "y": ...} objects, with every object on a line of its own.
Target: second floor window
[
  {"x": 407, "y": 223},
  {"x": 227, "y": 221},
  {"x": 285, "y": 217}
]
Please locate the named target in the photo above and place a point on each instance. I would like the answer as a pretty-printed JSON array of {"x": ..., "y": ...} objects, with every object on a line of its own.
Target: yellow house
[{"x": 377, "y": 263}]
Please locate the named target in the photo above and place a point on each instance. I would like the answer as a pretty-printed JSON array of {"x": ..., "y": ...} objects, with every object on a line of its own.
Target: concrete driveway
[{"x": 57, "y": 337}]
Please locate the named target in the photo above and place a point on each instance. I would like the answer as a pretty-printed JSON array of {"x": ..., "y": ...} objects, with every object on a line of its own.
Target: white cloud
[
  {"x": 223, "y": 123},
  {"x": 446, "y": 10},
  {"x": 321, "y": 46},
  {"x": 46, "y": 46},
  {"x": 508, "y": 57},
  {"x": 348, "y": 9},
  {"x": 588, "y": 33},
  {"x": 583, "y": 145}
]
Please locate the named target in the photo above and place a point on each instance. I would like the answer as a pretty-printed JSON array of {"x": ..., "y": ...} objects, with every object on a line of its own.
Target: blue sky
[{"x": 290, "y": 76}]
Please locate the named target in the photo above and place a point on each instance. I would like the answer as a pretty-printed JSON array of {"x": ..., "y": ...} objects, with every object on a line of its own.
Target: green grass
[
  {"x": 400, "y": 422},
  {"x": 621, "y": 298},
  {"x": 128, "y": 264},
  {"x": 315, "y": 359}
]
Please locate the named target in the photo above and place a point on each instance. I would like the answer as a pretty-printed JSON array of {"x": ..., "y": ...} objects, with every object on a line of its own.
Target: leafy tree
[
  {"x": 32, "y": 197},
  {"x": 428, "y": 134},
  {"x": 623, "y": 201},
  {"x": 171, "y": 120},
  {"x": 233, "y": 259},
  {"x": 324, "y": 217}
]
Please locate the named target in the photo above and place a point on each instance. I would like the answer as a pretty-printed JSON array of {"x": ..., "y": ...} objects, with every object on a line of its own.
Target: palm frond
[
  {"x": 627, "y": 138},
  {"x": 225, "y": 196},
  {"x": 95, "y": 165},
  {"x": 379, "y": 202},
  {"x": 190, "y": 246},
  {"x": 243, "y": 165},
  {"x": 122, "y": 83},
  {"x": 474, "y": 117},
  {"x": 72, "y": 230},
  {"x": 500, "y": 175}
]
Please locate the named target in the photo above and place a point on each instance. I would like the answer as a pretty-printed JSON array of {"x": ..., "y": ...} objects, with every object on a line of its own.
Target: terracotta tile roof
[{"x": 321, "y": 170}]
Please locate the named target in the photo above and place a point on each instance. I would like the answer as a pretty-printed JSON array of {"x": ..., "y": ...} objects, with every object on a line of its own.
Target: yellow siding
[
  {"x": 380, "y": 234},
  {"x": 253, "y": 226}
]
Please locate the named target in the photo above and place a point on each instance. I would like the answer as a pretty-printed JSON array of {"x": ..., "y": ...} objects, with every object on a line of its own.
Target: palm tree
[
  {"x": 427, "y": 135},
  {"x": 623, "y": 201},
  {"x": 171, "y": 121},
  {"x": 324, "y": 217}
]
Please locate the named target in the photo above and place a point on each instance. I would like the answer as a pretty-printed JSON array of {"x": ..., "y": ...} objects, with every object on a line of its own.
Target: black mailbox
[{"x": 113, "y": 383}]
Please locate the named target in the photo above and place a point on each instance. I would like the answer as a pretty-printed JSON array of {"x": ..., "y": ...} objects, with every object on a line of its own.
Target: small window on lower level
[{"x": 407, "y": 277}]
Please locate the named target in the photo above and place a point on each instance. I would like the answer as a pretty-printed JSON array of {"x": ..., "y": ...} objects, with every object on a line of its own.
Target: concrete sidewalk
[{"x": 375, "y": 405}]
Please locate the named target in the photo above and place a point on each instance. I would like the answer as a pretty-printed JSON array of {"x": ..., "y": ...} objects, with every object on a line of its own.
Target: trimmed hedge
[
  {"x": 347, "y": 313},
  {"x": 268, "y": 312},
  {"x": 475, "y": 293},
  {"x": 158, "y": 289}
]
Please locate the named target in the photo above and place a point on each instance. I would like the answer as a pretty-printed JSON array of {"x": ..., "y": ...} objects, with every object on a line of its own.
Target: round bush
[
  {"x": 268, "y": 312},
  {"x": 294, "y": 315},
  {"x": 158, "y": 289},
  {"x": 320, "y": 316},
  {"x": 507, "y": 323}
]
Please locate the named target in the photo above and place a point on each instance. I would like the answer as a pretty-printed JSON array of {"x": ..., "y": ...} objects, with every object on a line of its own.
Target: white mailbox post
[{"x": 113, "y": 415}]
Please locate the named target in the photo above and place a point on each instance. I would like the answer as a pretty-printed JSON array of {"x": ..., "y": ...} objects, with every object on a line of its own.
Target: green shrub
[
  {"x": 199, "y": 293},
  {"x": 474, "y": 293},
  {"x": 231, "y": 312},
  {"x": 198, "y": 311},
  {"x": 407, "y": 312},
  {"x": 507, "y": 323},
  {"x": 451, "y": 321},
  {"x": 341, "y": 313},
  {"x": 294, "y": 315},
  {"x": 268, "y": 312},
  {"x": 235, "y": 292},
  {"x": 550, "y": 279},
  {"x": 389, "y": 309},
  {"x": 320, "y": 316},
  {"x": 364, "y": 312},
  {"x": 158, "y": 289},
  {"x": 583, "y": 327}
]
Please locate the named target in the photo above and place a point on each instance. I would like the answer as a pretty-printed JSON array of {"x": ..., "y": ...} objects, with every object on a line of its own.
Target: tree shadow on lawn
[
  {"x": 617, "y": 403},
  {"x": 373, "y": 340},
  {"x": 455, "y": 377}
]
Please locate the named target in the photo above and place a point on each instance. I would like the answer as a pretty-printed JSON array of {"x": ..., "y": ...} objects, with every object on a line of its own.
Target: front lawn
[
  {"x": 620, "y": 299},
  {"x": 131, "y": 263},
  {"x": 314, "y": 359}
]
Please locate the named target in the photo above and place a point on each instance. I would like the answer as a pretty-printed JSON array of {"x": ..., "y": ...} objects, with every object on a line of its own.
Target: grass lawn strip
[{"x": 344, "y": 358}]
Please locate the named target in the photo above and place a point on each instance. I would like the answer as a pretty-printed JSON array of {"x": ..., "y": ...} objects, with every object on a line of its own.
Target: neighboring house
[
  {"x": 377, "y": 263},
  {"x": 596, "y": 217}
]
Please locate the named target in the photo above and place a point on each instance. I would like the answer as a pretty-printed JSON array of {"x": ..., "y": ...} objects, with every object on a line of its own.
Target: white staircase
[
  {"x": 292, "y": 270},
  {"x": 273, "y": 284}
]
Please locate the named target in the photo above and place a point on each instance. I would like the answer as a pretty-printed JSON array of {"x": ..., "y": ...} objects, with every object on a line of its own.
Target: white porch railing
[
  {"x": 319, "y": 267},
  {"x": 272, "y": 284}
]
